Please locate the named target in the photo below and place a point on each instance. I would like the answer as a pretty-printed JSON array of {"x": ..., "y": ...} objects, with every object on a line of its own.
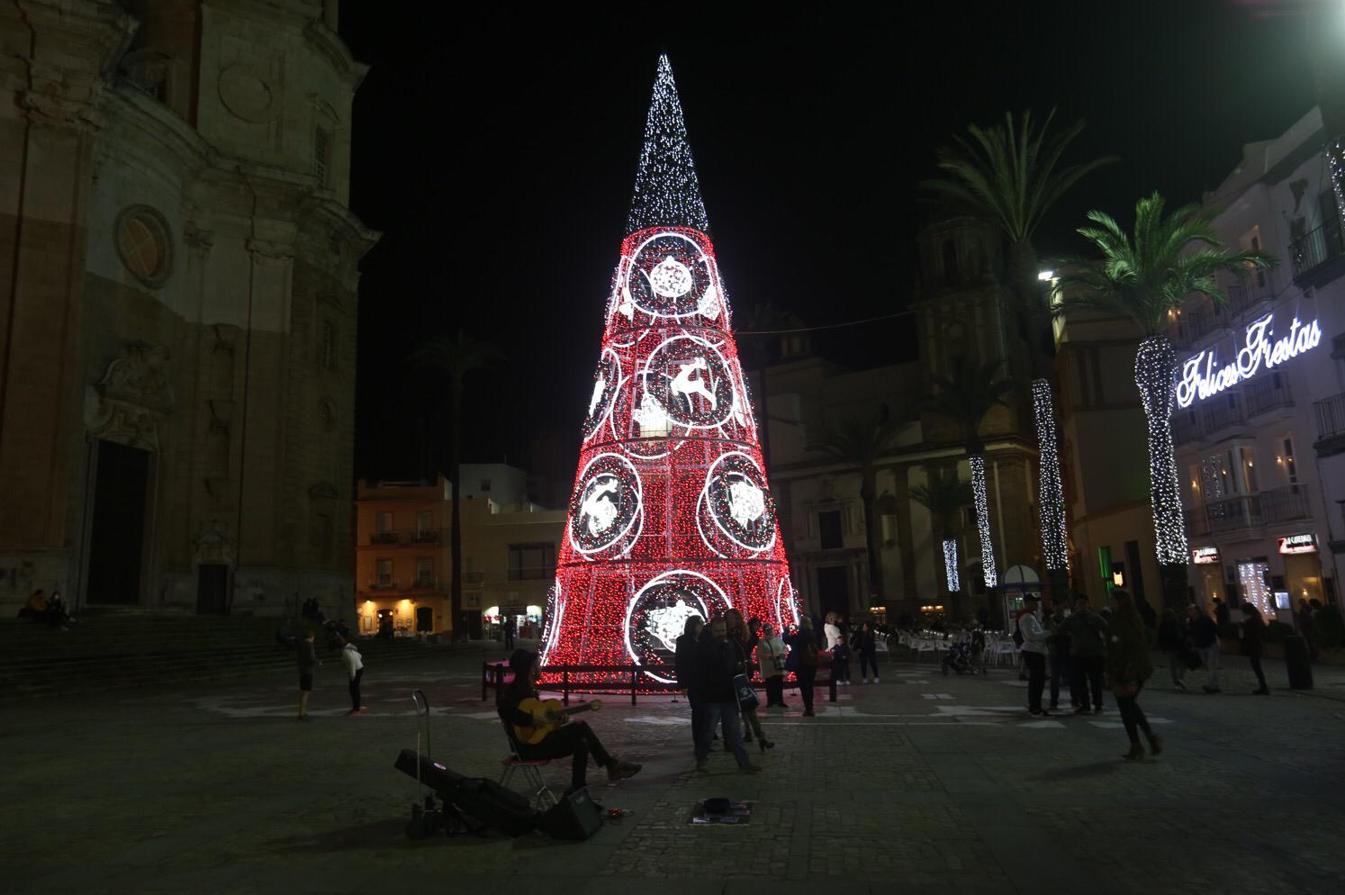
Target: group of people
[
  {"x": 309, "y": 662},
  {"x": 1083, "y": 646},
  {"x": 44, "y": 610},
  {"x": 1193, "y": 642}
]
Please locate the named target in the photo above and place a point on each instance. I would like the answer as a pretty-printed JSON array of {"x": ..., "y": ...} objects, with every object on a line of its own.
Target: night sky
[{"x": 495, "y": 147}]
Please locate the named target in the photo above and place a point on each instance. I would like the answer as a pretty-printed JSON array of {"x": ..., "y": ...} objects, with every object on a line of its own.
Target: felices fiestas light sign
[
  {"x": 1299, "y": 544},
  {"x": 1202, "y": 376}
]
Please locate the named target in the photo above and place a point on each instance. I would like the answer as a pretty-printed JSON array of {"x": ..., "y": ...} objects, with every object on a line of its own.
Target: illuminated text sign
[{"x": 1202, "y": 376}]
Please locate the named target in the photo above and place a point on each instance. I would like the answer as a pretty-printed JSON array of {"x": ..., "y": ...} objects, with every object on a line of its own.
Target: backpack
[{"x": 1017, "y": 634}]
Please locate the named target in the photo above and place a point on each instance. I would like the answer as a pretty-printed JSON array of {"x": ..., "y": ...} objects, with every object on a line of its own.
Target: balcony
[
  {"x": 1285, "y": 504},
  {"x": 1330, "y": 415},
  {"x": 420, "y": 537},
  {"x": 1266, "y": 393},
  {"x": 1318, "y": 255},
  {"x": 383, "y": 584},
  {"x": 1234, "y": 514},
  {"x": 1197, "y": 523},
  {"x": 425, "y": 583}
]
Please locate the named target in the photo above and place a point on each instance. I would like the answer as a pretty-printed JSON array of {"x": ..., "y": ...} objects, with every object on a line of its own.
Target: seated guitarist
[{"x": 573, "y": 738}]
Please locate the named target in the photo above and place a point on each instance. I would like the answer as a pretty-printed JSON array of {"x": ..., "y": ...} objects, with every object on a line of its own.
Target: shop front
[
  {"x": 400, "y": 616},
  {"x": 525, "y": 620},
  {"x": 1209, "y": 572},
  {"x": 1302, "y": 568}
]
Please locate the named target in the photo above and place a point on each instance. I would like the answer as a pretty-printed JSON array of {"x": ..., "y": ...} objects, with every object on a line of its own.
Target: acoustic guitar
[{"x": 547, "y": 715}]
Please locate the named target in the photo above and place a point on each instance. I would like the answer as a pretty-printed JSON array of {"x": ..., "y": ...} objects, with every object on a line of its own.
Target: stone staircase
[{"x": 122, "y": 650}]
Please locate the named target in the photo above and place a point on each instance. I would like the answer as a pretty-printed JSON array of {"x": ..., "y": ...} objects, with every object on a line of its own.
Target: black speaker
[{"x": 576, "y": 817}]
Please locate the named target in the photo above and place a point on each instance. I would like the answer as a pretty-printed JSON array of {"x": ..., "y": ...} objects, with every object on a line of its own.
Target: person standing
[
  {"x": 866, "y": 644},
  {"x": 1059, "y": 639},
  {"x": 1306, "y": 628},
  {"x": 1034, "y": 652},
  {"x": 308, "y": 663},
  {"x": 805, "y": 656},
  {"x": 1088, "y": 649},
  {"x": 509, "y": 632},
  {"x": 1253, "y": 644},
  {"x": 1172, "y": 640},
  {"x": 350, "y": 654},
  {"x": 1205, "y": 639},
  {"x": 832, "y": 631},
  {"x": 1128, "y": 667},
  {"x": 718, "y": 661},
  {"x": 686, "y": 664},
  {"x": 771, "y": 660}
]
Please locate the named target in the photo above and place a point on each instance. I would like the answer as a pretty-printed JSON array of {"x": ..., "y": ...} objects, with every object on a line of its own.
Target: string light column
[
  {"x": 671, "y": 514},
  {"x": 988, "y": 573},
  {"x": 1155, "y": 374},
  {"x": 1050, "y": 494}
]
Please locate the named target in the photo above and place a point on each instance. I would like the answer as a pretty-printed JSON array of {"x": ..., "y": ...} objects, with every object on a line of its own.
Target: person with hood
[
  {"x": 354, "y": 662},
  {"x": 1034, "y": 652},
  {"x": 717, "y": 667},
  {"x": 1128, "y": 667},
  {"x": 1254, "y": 644},
  {"x": 572, "y": 738},
  {"x": 686, "y": 663}
]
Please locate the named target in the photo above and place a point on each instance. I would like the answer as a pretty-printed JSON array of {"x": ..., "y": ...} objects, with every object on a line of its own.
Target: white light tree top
[{"x": 666, "y": 190}]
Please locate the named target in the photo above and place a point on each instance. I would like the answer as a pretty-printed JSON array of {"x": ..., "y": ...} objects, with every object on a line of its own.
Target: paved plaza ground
[{"x": 919, "y": 784}]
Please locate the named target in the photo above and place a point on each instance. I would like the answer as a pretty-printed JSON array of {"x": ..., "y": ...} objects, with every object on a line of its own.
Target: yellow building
[{"x": 509, "y": 550}]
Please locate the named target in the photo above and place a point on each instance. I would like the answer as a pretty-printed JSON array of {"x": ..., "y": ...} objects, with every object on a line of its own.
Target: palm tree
[
  {"x": 1010, "y": 176},
  {"x": 455, "y": 356},
  {"x": 1145, "y": 277},
  {"x": 964, "y": 398},
  {"x": 862, "y": 442},
  {"x": 945, "y": 496}
]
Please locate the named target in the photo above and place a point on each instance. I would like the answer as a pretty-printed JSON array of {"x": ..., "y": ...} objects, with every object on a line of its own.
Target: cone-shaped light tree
[
  {"x": 671, "y": 514},
  {"x": 1145, "y": 277},
  {"x": 1011, "y": 175}
]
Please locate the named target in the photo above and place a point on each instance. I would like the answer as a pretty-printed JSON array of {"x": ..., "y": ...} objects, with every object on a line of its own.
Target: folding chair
[{"x": 531, "y": 769}]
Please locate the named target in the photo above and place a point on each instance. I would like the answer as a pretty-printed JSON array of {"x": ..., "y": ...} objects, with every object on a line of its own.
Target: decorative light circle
[
  {"x": 606, "y": 506},
  {"x": 658, "y": 612},
  {"x": 689, "y": 381},
  {"x": 738, "y": 500},
  {"x": 670, "y": 275}
]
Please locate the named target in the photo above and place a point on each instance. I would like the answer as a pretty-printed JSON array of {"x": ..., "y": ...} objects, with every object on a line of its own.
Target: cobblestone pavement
[{"x": 920, "y": 783}]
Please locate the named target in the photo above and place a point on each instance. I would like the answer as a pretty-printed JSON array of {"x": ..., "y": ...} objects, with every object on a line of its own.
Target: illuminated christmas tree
[{"x": 671, "y": 514}]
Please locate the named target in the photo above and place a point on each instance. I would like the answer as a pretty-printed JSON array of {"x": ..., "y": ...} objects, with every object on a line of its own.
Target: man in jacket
[
  {"x": 719, "y": 699},
  {"x": 1205, "y": 638},
  {"x": 1034, "y": 652},
  {"x": 687, "y": 665},
  {"x": 1088, "y": 651}
]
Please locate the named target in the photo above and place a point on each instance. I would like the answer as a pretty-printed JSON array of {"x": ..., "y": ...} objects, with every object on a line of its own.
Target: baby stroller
[{"x": 962, "y": 658}]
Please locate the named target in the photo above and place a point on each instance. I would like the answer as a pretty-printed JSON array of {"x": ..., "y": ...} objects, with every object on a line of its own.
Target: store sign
[
  {"x": 1204, "y": 556},
  {"x": 1299, "y": 544},
  {"x": 1202, "y": 376}
]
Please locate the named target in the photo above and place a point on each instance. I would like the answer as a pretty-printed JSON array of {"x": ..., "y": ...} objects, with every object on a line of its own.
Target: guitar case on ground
[{"x": 477, "y": 798}]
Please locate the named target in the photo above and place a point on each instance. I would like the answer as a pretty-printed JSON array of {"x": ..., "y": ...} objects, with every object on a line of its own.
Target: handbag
[{"x": 747, "y": 697}]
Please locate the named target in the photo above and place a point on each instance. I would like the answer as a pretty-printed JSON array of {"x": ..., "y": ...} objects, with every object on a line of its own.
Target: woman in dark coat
[
  {"x": 1128, "y": 667},
  {"x": 1253, "y": 644},
  {"x": 685, "y": 662}
]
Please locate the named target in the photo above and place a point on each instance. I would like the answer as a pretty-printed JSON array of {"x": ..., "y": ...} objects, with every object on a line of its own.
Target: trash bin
[{"x": 1297, "y": 663}]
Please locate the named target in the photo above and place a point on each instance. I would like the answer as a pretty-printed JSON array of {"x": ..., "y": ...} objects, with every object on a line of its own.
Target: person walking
[
  {"x": 308, "y": 663},
  {"x": 1254, "y": 644},
  {"x": 686, "y": 664},
  {"x": 508, "y": 632},
  {"x": 1059, "y": 640},
  {"x": 1034, "y": 652},
  {"x": 771, "y": 660},
  {"x": 718, "y": 661},
  {"x": 1088, "y": 652},
  {"x": 1128, "y": 667},
  {"x": 866, "y": 644},
  {"x": 743, "y": 643},
  {"x": 354, "y": 662},
  {"x": 1172, "y": 640},
  {"x": 1205, "y": 638}
]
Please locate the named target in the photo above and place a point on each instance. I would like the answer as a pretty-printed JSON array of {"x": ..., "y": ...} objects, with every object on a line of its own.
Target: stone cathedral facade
[{"x": 178, "y": 291}]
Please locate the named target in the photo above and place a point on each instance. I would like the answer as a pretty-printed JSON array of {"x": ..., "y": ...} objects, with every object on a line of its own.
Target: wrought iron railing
[
  {"x": 1316, "y": 247},
  {"x": 1330, "y": 415}
]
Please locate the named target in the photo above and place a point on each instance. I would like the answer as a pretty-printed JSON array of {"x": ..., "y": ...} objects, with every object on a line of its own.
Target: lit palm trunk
[
  {"x": 1155, "y": 370},
  {"x": 1050, "y": 494},
  {"x": 988, "y": 573}
]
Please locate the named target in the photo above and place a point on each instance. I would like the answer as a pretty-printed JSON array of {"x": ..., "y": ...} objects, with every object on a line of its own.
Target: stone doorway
[
  {"x": 117, "y": 535},
  {"x": 212, "y": 589}
]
